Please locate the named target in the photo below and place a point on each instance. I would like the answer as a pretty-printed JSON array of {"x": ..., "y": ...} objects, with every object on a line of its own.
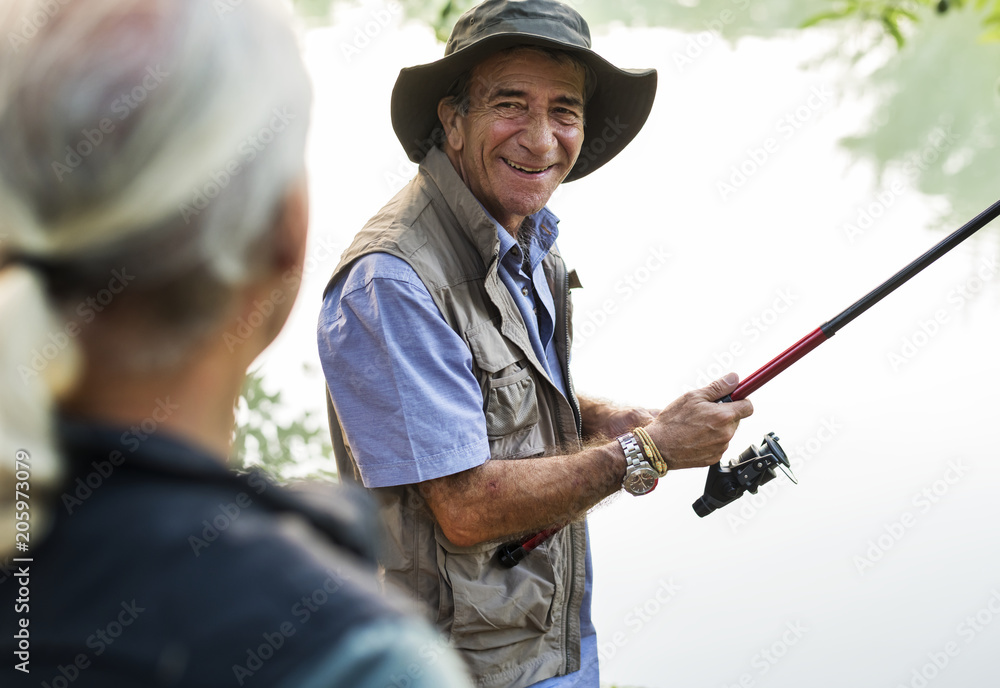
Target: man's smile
[{"x": 529, "y": 170}]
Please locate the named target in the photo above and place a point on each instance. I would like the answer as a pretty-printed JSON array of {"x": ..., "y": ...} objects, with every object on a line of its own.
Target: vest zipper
[
  {"x": 574, "y": 404},
  {"x": 577, "y": 416}
]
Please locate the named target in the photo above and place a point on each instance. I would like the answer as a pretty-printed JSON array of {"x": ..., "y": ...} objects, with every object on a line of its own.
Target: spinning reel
[{"x": 727, "y": 482}]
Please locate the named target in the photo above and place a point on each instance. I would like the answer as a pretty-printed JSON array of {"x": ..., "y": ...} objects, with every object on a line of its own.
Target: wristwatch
[{"x": 640, "y": 477}]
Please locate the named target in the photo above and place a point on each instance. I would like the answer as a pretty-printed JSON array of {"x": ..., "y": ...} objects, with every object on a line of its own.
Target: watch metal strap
[{"x": 633, "y": 451}]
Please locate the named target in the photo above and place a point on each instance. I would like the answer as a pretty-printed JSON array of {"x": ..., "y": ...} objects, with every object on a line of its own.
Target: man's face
[{"x": 522, "y": 134}]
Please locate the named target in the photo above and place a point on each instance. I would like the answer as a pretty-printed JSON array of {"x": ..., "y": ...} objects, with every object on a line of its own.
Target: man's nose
[{"x": 538, "y": 135}]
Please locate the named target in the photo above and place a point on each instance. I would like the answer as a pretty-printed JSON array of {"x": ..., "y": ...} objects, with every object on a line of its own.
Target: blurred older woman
[{"x": 153, "y": 195}]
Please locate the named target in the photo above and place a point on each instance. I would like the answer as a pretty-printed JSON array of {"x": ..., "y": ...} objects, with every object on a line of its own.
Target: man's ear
[
  {"x": 291, "y": 227},
  {"x": 451, "y": 121}
]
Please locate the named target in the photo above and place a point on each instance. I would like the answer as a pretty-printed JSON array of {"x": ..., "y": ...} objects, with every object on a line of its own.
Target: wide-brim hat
[{"x": 615, "y": 111}]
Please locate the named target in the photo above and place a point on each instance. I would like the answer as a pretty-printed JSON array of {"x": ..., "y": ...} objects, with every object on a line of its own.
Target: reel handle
[{"x": 751, "y": 469}]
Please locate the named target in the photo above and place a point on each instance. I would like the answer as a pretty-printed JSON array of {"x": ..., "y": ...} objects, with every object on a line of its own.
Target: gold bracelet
[{"x": 650, "y": 450}]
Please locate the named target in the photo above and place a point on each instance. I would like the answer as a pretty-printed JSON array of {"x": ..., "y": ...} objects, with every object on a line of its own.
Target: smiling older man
[{"x": 445, "y": 338}]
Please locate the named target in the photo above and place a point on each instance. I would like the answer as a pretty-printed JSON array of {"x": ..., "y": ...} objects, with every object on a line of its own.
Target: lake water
[{"x": 731, "y": 227}]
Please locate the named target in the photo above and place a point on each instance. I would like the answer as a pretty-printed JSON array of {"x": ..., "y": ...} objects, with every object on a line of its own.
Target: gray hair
[{"x": 158, "y": 135}]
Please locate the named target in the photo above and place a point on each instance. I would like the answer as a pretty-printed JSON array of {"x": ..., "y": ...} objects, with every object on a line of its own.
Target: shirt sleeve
[{"x": 401, "y": 379}]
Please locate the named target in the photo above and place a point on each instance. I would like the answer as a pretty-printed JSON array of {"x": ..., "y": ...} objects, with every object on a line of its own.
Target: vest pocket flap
[
  {"x": 511, "y": 404},
  {"x": 492, "y": 352},
  {"x": 496, "y": 606}
]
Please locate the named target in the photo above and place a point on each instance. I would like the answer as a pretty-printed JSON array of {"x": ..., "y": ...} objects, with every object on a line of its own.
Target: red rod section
[
  {"x": 535, "y": 540},
  {"x": 780, "y": 362}
]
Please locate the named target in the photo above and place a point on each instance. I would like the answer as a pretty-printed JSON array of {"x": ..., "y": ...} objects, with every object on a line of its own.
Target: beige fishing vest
[{"x": 517, "y": 626}]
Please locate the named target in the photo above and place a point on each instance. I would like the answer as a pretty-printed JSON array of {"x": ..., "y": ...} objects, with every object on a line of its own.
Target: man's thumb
[{"x": 722, "y": 387}]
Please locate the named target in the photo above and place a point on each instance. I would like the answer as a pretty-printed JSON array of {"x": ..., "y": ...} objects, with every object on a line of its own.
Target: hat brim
[{"x": 616, "y": 111}]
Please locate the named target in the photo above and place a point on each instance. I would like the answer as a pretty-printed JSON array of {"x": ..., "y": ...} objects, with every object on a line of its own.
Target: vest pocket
[
  {"x": 510, "y": 399},
  {"x": 495, "y": 606},
  {"x": 511, "y": 404}
]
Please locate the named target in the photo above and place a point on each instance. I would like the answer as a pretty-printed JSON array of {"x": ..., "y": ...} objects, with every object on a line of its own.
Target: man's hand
[
  {"x": 602, "y": 420},
  {"x": 501, "y": 499},
  {"x": 694, "y": 430}
]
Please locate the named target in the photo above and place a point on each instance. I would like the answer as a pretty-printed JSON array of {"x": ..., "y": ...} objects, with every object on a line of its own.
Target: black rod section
[{"x": 880, "y": 292}]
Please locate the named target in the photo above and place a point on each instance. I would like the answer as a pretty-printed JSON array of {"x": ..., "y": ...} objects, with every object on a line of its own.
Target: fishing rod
[
  {"x": 756, "y": 466},
  {"x": 727, "y": 482}
]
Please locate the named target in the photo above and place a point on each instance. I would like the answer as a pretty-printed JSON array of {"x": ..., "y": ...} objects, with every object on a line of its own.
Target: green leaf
[
  {"x": 827, "y": 16},
  {"x": 890, "y": 25},
  {"x": 990, "y": 36}
]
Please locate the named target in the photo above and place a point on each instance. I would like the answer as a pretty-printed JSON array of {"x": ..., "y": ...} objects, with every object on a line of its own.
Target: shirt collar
[
  {"x": 468, "y": 212},
  {"x": 545, "y": 229},
  {"x": 474, "y": 218}
]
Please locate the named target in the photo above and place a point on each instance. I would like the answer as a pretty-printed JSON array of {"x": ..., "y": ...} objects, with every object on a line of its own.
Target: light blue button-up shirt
[{"x": 396, "y": 369}]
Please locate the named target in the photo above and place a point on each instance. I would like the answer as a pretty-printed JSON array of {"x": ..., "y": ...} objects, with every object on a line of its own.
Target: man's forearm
[
  {"x": 603, "y": 420},
  {"x": 504, "y": 499},
  {"x": 593, "y": 413}
]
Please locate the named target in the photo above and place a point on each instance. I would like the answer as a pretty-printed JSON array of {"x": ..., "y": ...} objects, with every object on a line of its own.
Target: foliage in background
[
  {"x": 935, "y": 120},
  {"x": 288, "y": 449},
  {"x": 896, "y": 16},
  {"x": 931, "y": 82}
]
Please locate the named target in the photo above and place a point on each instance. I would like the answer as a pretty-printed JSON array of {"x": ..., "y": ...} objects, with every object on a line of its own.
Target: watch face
[{"x": 641, "y": 481}]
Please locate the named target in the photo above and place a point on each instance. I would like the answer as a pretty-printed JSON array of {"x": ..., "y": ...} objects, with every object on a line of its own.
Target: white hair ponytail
[
  {"x": 29, "y": 459},
  {"x": 164, "y": 133}
]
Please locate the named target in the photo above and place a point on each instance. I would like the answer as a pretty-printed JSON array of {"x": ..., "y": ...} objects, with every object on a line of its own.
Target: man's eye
[{"x": 567, "y": 115}]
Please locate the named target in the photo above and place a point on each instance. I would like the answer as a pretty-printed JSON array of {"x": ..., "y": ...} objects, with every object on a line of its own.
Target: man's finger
[
  {"x": 743, "y": 408},
  {"x": 721, "y": 387}
]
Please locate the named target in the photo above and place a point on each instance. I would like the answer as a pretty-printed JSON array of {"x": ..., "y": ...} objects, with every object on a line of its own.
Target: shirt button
[{"x": 524, "y": 290}]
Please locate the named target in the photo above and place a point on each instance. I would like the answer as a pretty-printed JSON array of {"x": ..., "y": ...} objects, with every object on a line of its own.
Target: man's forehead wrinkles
[
  {"x": 508, "y": 92},
  {"x": 520, "y": 87}
]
